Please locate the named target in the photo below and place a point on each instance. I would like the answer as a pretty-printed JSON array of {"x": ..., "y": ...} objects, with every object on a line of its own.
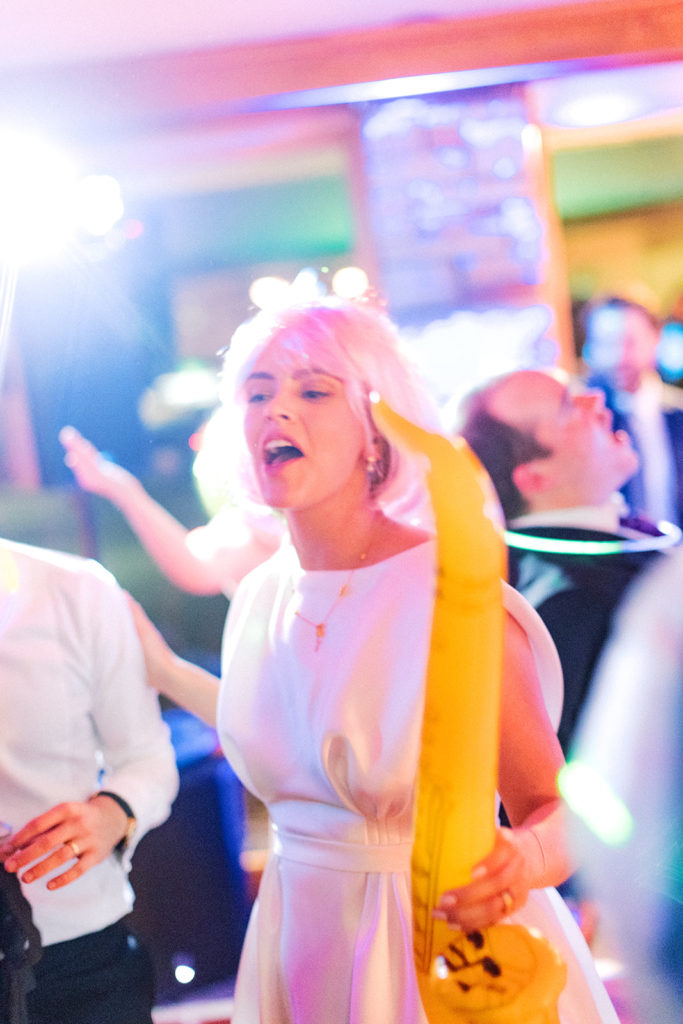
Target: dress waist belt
[{"x": 327, "y": 853}]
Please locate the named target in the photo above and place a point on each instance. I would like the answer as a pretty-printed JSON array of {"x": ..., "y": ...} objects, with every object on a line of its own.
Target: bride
[{"x": 320, "y": 702}]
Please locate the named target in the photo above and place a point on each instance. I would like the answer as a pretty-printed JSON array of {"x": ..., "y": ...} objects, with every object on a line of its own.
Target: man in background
[
  {"x": 557, "y": 466},
  {"x": 86, "y": 768},
  {"x": 620, "y": 354}
]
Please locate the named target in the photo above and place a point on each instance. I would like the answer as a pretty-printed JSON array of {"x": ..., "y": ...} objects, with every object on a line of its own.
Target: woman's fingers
[{"x": 498, "y": 887}]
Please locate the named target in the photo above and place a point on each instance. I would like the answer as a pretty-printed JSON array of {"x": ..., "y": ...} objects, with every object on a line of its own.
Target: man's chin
[{"x": 630, "y": 464}]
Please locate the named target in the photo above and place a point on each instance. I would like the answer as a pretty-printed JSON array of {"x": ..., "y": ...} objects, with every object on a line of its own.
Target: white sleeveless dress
[{"x": 329, "y": 741}]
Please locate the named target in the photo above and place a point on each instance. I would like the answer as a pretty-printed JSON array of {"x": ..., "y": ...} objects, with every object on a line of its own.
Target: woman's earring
[
  {"x": 378, "y": 462},
  {"x": 372, "y": 469}
]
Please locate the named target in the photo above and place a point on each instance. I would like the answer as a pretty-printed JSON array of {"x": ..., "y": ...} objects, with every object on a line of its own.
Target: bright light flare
[
  {"x": 350, "y": 282},
  {"x": 36, "y": 189},
  {"x": 592, "y": 798},
  {"x": 269, "y": 293},
  {"x": 98, "y": 204},
  {"x": 594, "y": 109},
  {"x": 44, "y": 204},
  {"x": 184, "y": 974}
]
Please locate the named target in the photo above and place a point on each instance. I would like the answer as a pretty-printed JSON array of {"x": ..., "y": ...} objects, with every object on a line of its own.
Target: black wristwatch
[{"x": 131, "y": 825}]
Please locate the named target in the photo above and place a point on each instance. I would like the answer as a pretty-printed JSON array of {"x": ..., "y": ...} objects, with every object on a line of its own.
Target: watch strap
[{"x": 123, "y": 843}]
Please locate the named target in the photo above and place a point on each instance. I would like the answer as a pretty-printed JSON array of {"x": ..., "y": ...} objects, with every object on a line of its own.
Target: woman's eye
[
  {"x": 314, "y": 393},
  {"x": 256, "y": 396}
]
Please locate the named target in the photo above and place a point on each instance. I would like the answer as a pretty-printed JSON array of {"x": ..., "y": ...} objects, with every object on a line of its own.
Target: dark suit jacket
[
  {"x": 673, "y": 420},
  {"x": 577, "y": 597},
  {"x": 20, "y": 947}
]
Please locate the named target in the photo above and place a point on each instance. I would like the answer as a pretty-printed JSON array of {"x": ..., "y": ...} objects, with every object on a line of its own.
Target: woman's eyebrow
[
  {"x": 259, "y": 375},
  {"x": 314, "y": 371}
]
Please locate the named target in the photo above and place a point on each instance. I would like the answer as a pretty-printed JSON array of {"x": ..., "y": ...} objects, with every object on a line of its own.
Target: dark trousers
[{"x": 102, "y": 978}]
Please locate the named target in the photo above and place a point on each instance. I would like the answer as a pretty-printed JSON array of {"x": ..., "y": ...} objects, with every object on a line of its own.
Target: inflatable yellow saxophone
[{"x": 505, "y": 973}]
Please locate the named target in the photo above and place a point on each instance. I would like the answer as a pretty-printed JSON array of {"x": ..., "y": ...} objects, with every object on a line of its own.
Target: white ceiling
[{"x": 49, "y": 32}]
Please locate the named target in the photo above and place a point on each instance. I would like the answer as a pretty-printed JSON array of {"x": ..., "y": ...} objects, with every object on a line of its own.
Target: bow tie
[{"x": 641, "y": 524}]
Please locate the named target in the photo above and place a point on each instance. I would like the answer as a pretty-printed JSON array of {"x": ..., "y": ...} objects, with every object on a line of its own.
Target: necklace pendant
[{"x": 321, "y": 627}]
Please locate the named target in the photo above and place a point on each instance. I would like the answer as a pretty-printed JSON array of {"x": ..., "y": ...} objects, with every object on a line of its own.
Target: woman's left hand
[{"x": 500, "y": 884}]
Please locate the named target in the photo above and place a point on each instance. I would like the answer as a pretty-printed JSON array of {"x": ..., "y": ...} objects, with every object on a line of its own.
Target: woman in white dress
[{"x": 320, "y": 705}]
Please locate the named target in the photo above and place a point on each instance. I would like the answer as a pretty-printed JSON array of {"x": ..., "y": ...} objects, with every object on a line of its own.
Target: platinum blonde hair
[{"x": 356, "y": 343}]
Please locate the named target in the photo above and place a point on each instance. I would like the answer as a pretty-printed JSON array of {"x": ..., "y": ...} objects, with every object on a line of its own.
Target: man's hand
[{"x": 85, "y": 832}]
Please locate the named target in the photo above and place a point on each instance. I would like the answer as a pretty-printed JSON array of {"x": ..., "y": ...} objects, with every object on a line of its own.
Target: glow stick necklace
[{"x": 669, "y": 536}]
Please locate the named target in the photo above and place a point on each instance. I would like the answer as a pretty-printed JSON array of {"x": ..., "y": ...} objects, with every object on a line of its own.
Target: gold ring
[
  {"x": 508, "y": 900},
  {"x": 73, "y": 846}
]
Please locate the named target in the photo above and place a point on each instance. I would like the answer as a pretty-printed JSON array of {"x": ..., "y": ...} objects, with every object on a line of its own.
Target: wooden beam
[{"x": 127, "y": 95}]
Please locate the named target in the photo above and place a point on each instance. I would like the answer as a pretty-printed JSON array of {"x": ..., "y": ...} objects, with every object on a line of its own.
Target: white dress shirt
[
  {"x": 77, "y": 716},
  {"x": 646, "y": 422},
  {"x": 605, "y": 518}
]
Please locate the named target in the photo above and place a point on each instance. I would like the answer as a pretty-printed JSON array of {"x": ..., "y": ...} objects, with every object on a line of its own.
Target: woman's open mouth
[{"x": 280, "y": 451}]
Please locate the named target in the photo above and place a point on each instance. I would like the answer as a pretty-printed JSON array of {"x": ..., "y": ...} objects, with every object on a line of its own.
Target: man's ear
[{"x": 532, "y": 478}]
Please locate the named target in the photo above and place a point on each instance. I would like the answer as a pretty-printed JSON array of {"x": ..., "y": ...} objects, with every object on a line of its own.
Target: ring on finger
[
  {"x": 74, "y": 847},
  {"x": 508, "y": 900}
]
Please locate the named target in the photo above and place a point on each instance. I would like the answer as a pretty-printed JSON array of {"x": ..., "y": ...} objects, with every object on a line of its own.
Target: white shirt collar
[
  {"x": 648, "y": 397},
  {"x": 584, "y": 517},
  {"x": 647, "y": 401}
]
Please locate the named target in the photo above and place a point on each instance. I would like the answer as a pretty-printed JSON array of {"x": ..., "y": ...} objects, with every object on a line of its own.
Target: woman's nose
[{"x": 280, "y": 408}]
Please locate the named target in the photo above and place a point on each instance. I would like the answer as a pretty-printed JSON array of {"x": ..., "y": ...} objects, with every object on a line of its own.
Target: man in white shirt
[
  {"x": 86, "y": 768},
  {"x": 620, "y": 353}
]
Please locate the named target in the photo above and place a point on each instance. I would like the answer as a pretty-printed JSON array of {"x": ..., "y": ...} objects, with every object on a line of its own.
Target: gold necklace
[{"x": 321, "y": 627}]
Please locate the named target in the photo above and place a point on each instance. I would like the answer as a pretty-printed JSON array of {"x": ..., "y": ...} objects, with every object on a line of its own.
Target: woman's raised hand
[{"x": 93, "y": 471}]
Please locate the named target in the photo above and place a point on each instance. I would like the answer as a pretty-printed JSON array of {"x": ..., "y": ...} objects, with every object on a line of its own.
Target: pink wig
[{"x": 356, "y": 343}]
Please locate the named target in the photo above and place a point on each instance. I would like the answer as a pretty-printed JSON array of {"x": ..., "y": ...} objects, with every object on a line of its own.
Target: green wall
[{"x": 590, "y": 182}]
